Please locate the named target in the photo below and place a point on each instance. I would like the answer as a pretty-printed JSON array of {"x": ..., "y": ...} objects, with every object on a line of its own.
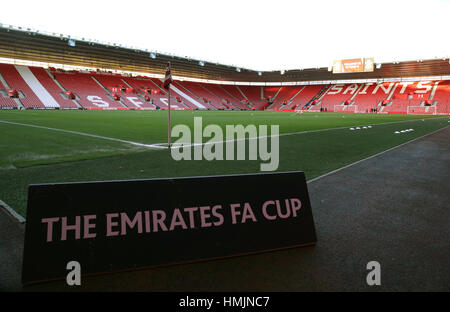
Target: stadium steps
[
  {"x": 274, "y": 98},
  {"x": 346, "y": 107},
  {"x": 238, "y": 100},
  {"x": 245, "y": 97},
  {"x": 356, "y": 92},
  {"x": 186, "y": 97},
  {"x": 222, "y": 101},
  {"x": 108, "y": 93},
  {"x": 173, "y": 99},
  {"x": 13, "y": 78},
  {"x": 197, "y": 92},
  {"x": 290, "y": 101},
  {"x": 165, "y": 92},
  {"x": 61, "y": 87},
  {"x": 389, "y": 97},
  {"x": 35, "y": 85},
  {"x": 182, "y": 105},
  {"x": 137, "y": 85},
  {"x": 142, "y": 98},
  {"x": 228, "y": 99},
  {"x": 433, "y": 91},
  {"x": 322, "y": 92},
  {"x": 181, "y": 86}
]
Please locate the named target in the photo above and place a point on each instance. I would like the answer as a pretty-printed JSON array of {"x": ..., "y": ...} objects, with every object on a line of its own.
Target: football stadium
[{"x": 88, "y": 125}]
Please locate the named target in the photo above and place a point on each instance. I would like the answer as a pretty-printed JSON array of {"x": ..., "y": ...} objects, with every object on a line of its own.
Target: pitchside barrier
[{"x": 122, "y": 225}]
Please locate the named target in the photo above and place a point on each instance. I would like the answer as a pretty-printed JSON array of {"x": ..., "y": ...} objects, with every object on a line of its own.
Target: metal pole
[{"x": 168, "y": 129}]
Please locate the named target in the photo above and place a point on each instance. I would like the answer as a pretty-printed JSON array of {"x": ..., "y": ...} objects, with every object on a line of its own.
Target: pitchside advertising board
[{"x": 122, "y": 225}]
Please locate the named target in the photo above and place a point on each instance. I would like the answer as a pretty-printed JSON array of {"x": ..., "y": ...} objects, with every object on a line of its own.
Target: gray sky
[{"x": 261, "y": 35}]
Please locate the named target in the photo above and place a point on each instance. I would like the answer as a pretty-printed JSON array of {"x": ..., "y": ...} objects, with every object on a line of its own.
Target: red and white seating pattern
[
  {"x": 337, "y": 95},
  {"x": 371, "y": 95},
  {"x": 225, "y": 100},
  {"x": 442, "y": 97},
  {"x": 254, "y": 95},
  {"x": 411, "y": 93},
  {"x": 192, "y": 95},
  {"x": 37, "y": 88},
  {"x": 91, "y": 94},
  {"x": 51, "y": 86},
  {"x": 6, "y": 102},
  {"x": 145, "y": 86},
  {"x": 15, "y": 81},
  {"x": 115, "y": 83},
  {"x": 299, "y": 101},
  {"x": 284, "y": 95},
  {"x": 240, "y": 100}
]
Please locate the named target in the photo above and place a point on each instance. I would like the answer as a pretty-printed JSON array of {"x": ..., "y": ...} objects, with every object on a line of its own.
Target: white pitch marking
[{"x": 85, "y": 134}]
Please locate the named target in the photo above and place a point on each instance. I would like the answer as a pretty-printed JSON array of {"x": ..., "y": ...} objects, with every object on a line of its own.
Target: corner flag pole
[
  {"x": 169, "y": 120},
  {"x": 167, "y": 82}
]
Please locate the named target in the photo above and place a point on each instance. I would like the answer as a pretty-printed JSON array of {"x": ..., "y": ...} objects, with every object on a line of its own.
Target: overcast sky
[{"x": 260, "y": 35}]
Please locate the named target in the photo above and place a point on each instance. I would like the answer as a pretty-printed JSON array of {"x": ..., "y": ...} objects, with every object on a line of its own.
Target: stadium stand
[
  {"x": 15, "y": 81},
  {"x": 128, "y": 95},
  {"x": 198, "y": 93},
  {"x": 254, "y": 94},
  {"x": 371, "y": 96},
  {"x": 408, "y": 93},
  {"x": 442, "y": 97},
  {"x": 55, "y": 91},
  {"x": 220, "y": 96},
  {"x": 305, "y": 96},
  {"x": 240, "y": 101},
  {"x": 147, "y": 91},
  {"x": 5, "y": 100},
  {"x": 271, "y": 93},
  {"x": 90, "y": 94},
  {"x": 285, "y": 96},
  {"x": 337, "y": 95},
  {"x": 220, "y": 102},
  {"x": 39, "y": 88}
]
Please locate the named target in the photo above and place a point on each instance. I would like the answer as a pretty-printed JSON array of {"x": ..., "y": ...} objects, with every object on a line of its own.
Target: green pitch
[{"x": 63, "y": 146}]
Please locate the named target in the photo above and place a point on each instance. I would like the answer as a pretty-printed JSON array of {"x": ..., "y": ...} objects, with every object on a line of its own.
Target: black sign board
[{"x": 121, "y": 225}]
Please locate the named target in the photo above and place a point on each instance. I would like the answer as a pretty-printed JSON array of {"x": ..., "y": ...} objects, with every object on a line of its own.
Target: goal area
[
  {"x": 421, "y": 110},
  {"x": 345, "y": 108}
]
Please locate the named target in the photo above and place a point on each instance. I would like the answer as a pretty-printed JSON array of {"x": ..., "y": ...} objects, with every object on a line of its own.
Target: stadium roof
[{"x": 31, "y": 45}]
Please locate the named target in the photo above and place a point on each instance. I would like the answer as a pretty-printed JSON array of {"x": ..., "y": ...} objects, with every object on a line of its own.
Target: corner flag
[
  {"x": 167, "y": 81},
  {"x": 168, "y": 78}
]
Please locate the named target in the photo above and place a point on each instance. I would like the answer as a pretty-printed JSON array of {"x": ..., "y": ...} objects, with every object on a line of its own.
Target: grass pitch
[{"x": 68, "y": 146}]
